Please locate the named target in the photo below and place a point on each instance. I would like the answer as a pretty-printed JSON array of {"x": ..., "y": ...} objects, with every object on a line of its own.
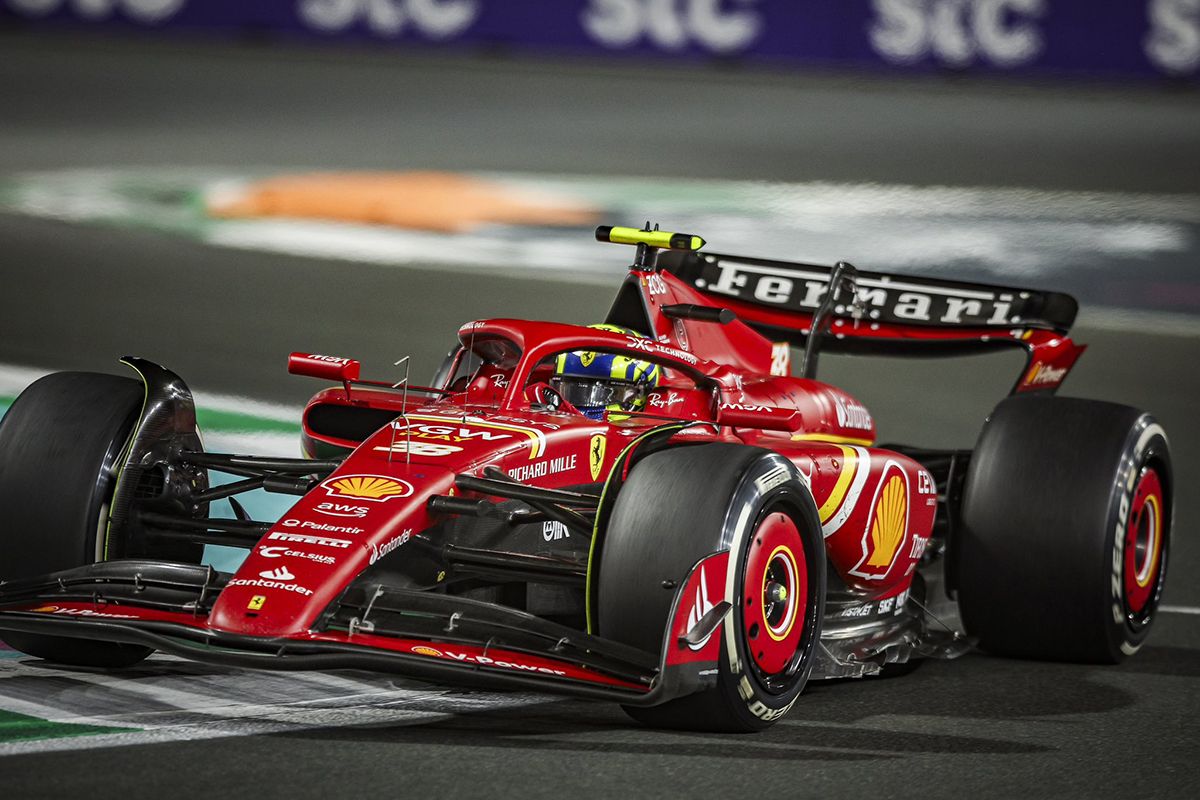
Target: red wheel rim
[
  {"x": 1144, "y": 542},
  {"x": 775, "y": 594}
]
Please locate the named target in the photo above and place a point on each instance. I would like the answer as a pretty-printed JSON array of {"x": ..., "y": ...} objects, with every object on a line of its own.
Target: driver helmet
[{"x": 598, "y": 382}]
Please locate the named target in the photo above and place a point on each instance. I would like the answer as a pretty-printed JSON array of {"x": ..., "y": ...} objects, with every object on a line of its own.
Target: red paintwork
[
  {"x": 111, "y": 611},
  {"x": 876, "y": 506},
  {"x": 776, "y": 557},
  {"x": 718, "y": 373},
  {"x": 489, "y": 658},
  {"x": 708, "y": 584},
  {"x": 1146, "y": 522},
  {"x": 330, "y": 368},
  {"x": 484, "y": 658}
]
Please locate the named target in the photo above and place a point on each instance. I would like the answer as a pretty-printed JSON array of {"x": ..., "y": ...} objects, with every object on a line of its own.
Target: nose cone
[{"x": 368, "y": 508}]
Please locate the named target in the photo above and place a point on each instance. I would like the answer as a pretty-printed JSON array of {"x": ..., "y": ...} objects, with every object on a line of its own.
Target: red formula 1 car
[{"x": 652, "y": 511}]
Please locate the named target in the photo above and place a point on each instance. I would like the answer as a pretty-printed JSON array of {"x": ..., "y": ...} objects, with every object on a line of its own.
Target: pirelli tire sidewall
[
  {"x": 1146, "y": 449},
  {"x": 1055, "y": 493},
  {"x": 753, "y": 500}
]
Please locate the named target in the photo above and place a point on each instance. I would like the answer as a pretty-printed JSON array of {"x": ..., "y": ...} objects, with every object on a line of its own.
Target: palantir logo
[
  {"x": 147, "y": 11},
  {"x": 716, "y": 25},
  {"x": 437, "y": 19},
  {"x": 958, "y": 33}
]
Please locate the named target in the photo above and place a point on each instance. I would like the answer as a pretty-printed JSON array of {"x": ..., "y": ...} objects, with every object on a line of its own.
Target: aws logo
[
  {"x": 887, "y": 524},
  {"x": 375, "y": 488}
]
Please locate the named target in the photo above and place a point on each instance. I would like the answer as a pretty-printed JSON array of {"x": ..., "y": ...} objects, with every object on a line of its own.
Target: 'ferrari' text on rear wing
[{"x": 884, "y": 298}]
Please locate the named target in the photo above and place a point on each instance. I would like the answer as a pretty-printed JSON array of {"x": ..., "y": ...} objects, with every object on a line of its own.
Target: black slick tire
[
  {"x": 677, "y": 507},
  {"x": 1065, "y": 533},
  {"x": 60, "y": 449}
]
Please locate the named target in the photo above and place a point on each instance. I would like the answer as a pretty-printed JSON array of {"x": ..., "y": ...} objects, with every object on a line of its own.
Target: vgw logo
[
  {"x": 717, "y": 25},
  {"x": 958, "y": 33},
  {"x": 437, "y": 19},
  {"x": 148, "y": 11}
]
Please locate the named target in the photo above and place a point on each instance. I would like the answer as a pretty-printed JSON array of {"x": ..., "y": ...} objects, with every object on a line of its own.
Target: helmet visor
[{"x": 586, "y": 393}]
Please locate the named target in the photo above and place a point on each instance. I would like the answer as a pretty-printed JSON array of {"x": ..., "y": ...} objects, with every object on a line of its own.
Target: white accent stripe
[{"x": 862, "y": 470}]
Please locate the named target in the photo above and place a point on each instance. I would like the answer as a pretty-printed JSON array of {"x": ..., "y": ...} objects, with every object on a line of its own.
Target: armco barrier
[{"x": 1100, "y": 38}]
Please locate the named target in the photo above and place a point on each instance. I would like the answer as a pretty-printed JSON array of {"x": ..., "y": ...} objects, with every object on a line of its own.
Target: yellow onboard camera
[{"x": 659, "y": 239}]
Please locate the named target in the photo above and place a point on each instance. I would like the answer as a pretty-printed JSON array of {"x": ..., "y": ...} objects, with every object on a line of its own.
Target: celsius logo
[
  {"x": 437, "y": 19},
  {"x": 722, "y": 26},
  {"x": 149, "y": 11},
  {"x": 957, "y": 33}
]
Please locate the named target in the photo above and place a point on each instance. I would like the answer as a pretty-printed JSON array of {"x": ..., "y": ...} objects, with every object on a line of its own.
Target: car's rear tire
[
  {"x": 1066, "y": 530},
  {"x": 680, "y": 505},
  {"x": 60, "y": 448}
]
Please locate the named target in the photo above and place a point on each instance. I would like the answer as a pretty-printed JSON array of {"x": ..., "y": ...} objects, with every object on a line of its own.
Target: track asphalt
[{"x": 77, "y": 297}]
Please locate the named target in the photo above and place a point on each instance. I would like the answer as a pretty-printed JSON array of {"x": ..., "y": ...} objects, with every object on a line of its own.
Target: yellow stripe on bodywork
[
  {"x": 849, "y": 467},
  {"x": 831, "y": 438}
]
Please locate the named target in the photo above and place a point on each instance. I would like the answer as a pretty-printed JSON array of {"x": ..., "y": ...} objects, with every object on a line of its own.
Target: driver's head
[{"x": 598, "y": 382}]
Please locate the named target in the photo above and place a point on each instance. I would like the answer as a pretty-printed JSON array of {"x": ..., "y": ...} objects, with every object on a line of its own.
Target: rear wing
[
  {"x": 780, "y": 298},
  {"x": 876, "y": 313}
]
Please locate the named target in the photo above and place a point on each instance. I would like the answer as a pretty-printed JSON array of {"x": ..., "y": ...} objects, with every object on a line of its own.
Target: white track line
[{"x": 1180, "y": 610}]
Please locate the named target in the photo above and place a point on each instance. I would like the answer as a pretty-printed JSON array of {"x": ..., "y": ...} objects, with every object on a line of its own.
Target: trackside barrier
[{"x": 1096, "y": 38}]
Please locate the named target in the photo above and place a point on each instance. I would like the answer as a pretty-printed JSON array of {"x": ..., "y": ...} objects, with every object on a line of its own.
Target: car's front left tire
[
  {"x": 61, "y": 445},
  {"x": 678, "y": 506}
]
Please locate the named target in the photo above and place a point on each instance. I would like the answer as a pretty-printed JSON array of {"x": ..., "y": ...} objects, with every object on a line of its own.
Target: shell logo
[
  {"x": 891, "y": 522},
  {"x": 427, "y": 651},
  {"x": 375, "y": 488},
  {"x": 887, "y": 525}
]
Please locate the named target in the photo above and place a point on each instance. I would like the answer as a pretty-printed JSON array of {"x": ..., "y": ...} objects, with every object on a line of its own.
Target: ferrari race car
[{"x": 656, "y": 511}]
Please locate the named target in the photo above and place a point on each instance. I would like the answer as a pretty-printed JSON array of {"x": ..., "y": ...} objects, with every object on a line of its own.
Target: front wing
[{"x": 424, "y": 635}]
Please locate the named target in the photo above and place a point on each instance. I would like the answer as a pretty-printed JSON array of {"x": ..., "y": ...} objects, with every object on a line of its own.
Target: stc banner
[{"x": 1102, "y": 38}]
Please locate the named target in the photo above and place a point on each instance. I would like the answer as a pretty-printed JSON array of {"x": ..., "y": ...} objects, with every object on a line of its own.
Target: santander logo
[{"x": 280, "y": 574}]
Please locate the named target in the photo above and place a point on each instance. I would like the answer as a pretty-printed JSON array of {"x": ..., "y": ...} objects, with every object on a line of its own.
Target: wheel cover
[
  {"x": 1144, "y": 543},
  {"x": 775, "y": 595}
]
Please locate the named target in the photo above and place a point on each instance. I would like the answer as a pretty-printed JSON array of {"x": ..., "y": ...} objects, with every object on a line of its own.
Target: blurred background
[{"x": 212, "y": 184}]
